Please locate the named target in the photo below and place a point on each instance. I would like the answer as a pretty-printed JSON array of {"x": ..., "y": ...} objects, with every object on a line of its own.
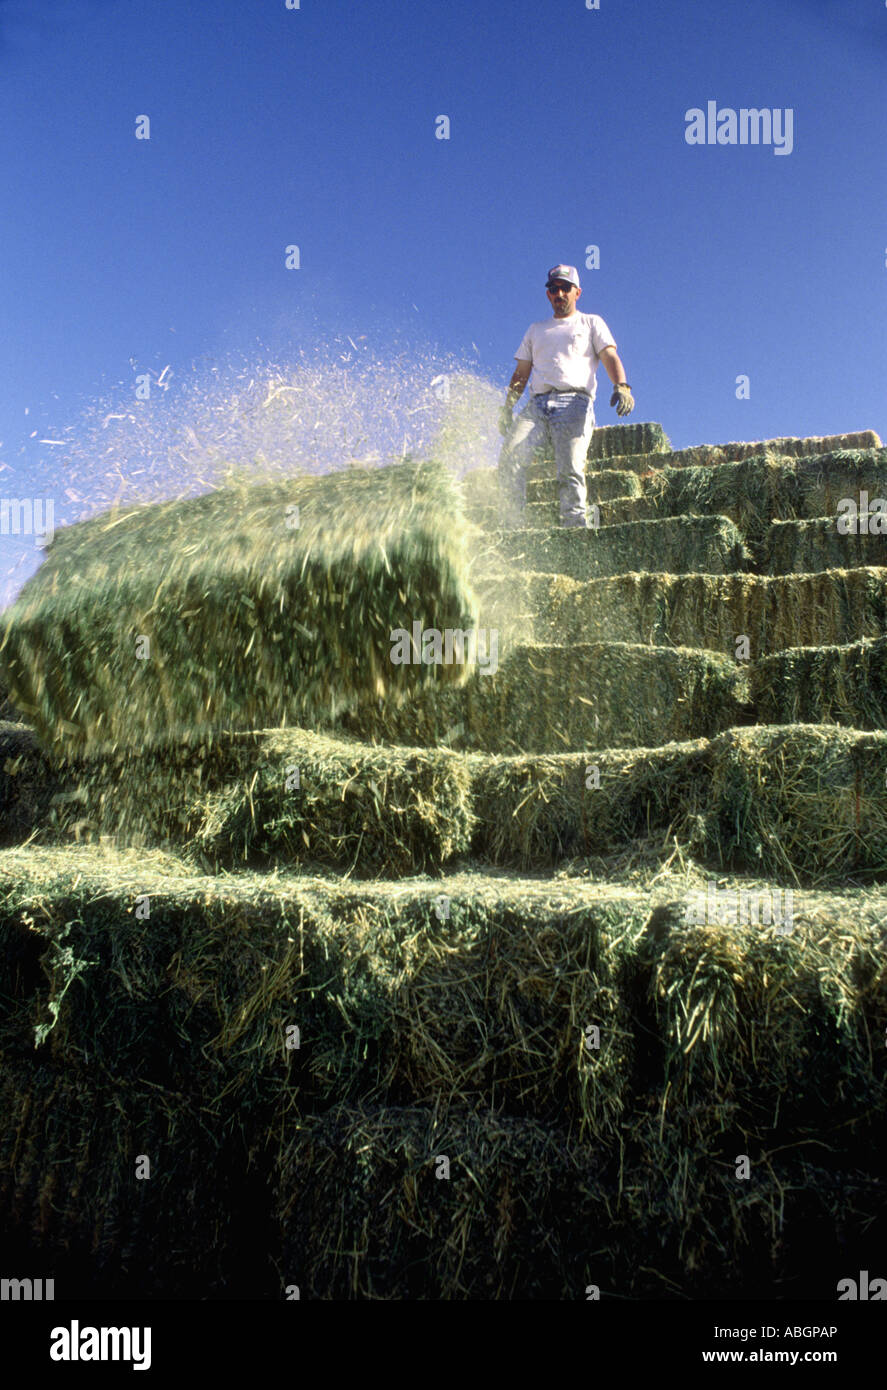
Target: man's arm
[
  {"x": 621, "y": 397},
  {"x": 519, "y": 379},
  {"x": 615, "y": 370}
]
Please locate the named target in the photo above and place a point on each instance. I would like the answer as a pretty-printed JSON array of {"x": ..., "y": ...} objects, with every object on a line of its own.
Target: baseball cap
[{"x": 564, "y": 272}]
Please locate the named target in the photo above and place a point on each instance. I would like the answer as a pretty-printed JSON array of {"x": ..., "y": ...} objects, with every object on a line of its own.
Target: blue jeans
[{"x": 564, "y": 420}]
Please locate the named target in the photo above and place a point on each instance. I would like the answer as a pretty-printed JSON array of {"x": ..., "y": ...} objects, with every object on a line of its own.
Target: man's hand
[
  {"x": 506, "y": 420},
  {"x": 623, "y": 399}
]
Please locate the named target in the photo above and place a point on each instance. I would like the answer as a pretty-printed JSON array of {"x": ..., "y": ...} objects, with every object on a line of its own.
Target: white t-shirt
[{"x": 565, "y": 352}]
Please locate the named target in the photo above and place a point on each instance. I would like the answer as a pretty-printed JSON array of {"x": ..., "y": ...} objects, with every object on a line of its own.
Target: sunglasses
[{"x": 556, "y": 289}]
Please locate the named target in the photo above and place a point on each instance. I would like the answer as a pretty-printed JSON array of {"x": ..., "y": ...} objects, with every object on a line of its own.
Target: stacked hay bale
[{"x": 574, "y": 1044}]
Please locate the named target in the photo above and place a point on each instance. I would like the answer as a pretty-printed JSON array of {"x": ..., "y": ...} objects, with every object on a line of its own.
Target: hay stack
[
  {"x": 708, "y": 455},
  {"x": 611, "y": 441},
  {"x": 707, "y": 610},
  {"x": 799, "y": 801},
  {"x": 551, "y": 699},
  {"x": 425, "y": 1035},
  {"x": 675, "y": 545},
  {"x": 801, "y": 547},
  {"x": 843, "y": 684},
  {"x": 254, "y": 614}
]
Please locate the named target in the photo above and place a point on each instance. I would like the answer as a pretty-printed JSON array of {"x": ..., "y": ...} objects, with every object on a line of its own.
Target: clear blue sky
[{"x": 316, "y": 127}]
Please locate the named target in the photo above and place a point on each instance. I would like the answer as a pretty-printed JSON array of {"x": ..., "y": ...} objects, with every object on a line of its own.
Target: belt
[{"x": 562, "y": 391}]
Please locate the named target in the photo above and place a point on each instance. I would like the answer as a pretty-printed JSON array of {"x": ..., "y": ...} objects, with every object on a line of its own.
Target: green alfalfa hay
[
  {"x": 512, "y": 1220},
  {"x": 802, "y": 803},
  {"x": 449, "y": 978},
  {"x": 69, "y": 1194},
  {"x": 758, "y": 490},
  {"x": 843, "y": 684},
  {"x": 482, "y": 993},
  {"x": 748, "y": 492},
  {"x": 799, "y": 802},
  {"x": 381, "y": 1225},
  {"x": 708, "y": 611},
  {"x": 535, "y": 812},
  {"x": 548, "y": 699},
  {"x": 603, "y": 486},
  {"x": 761, "y": 1014},
  {"x": 280, "y": 796},
  {"x": 252, "y": 619},
  {"x": 802, "y": 547},
  {"x": 674, "y": 545},
  {"x": 645, "y": 437},
  {"x": 27, "y": 783},
  {"x": 711, "y": 455}
]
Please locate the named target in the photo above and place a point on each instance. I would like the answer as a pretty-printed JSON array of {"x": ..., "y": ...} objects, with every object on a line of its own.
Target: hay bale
[
  {"x": 601, "y": 486},
  {"x": 712, "y": 455},
  {"x": 27, "y": 783},
  {"x": 841, "y": 684},
  {"x": 752, "y": 492},
  {"x": 707, "y": 455},
  {"x": 539, "y": 811},
  {"x": 250, "y": 619},
  {"x": 71, "y": 1204},
  {"x": 608, "y": 441},
  {"x": 706, "y": 610},
  {"x": 556, "y": 698},
  {"x": 426, "y": 1034},
  {"x": 804, "y": 801},
  {"x": 285, "y": 796},
  {"x": 803, "y": 547},
  {"x": 677, "y": 545},
  {"x": 361, "y": 1208}
]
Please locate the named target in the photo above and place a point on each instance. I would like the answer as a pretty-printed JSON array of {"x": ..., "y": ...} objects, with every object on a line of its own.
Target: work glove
[
  {"x": 623, "y": 399},
  {"x": 505, "y": 420}
]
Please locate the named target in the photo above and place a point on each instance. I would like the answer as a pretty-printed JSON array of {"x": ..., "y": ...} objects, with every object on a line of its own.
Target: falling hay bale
[{"x": 257, "y": 604}]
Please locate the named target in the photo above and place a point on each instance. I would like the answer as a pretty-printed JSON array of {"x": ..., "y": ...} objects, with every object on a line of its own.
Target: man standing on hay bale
[{"x": 559, "y": 357}]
